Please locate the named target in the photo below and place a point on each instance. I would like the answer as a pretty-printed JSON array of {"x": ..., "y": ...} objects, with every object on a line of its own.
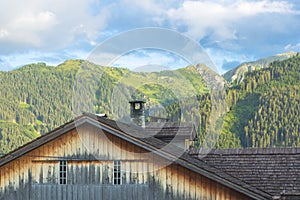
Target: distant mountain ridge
[{"x": 236, "y": 75}]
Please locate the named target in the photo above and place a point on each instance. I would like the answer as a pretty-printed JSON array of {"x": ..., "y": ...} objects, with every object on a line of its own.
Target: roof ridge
[{"x": 247, "y": 151}]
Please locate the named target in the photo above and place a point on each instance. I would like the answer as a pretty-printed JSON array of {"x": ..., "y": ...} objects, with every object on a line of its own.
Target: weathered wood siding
[{"x": 90, "y": 153}]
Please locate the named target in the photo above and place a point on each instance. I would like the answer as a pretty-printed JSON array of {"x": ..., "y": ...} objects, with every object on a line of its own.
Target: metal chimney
[{"x": 137, "y": 113}]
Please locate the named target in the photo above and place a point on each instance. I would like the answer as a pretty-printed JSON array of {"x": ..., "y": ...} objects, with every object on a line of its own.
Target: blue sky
[{"x": 230, "y": 32}]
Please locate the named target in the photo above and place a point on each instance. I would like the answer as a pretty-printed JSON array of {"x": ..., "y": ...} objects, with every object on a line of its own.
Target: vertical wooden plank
[
  {"x": 1, "y": 179},
  {"x": 223, "y": 189},
  {"x": 64, "y": 192},
  {"x": 191, "y": 185},
  {"x": 68, "y": 150},
  {"x": 114, "y": 192},
  {"x": 145, "y": 169},
  {"x": 134, "y": 190},
  {"x": 15, "y": 172},
  {"x": 169, "y": 188},
  {"x": 1, "y": 186},
  {"x": 157, "y": 184},
  {"x": 38, "y": 191},
  {"x": 99, "y": 172},
  {"x": 205, "y": 187},
  {"x": 85, "y": 191},
  {"x": 109, "y": 147},
  {"x": 137, "y": 167},
  {"x": 134, "y": 165},
  {"x": 41, "y": 190},
  {"x": 6, "y": 176},
  {"x": 218, "y": 191},
  {"x": 174, "y": 181},
  {"x": 59, "y": 192},
  {"x": 80, "y": 192},
  {"x": 212, "y": 190},
  {"x": 108, "y": 192},
  {"x": 74, "y": 192},
  {"x": 47, "y": 192},
  {"x": 181, "y": 182},
  {"x": 124, "y": 192},
  {"x": 199, "y": 191},
  {"x": 105, "y": 145},
  {"x": 110, "y": 172},
  {"x": 80, "y": 141},
  {"x": 139, "y": 191},
  {"x": 87, "y": 146},
  {"x": 33, "y": 172},
  {"x": 28, "y": 179},
  {"x": 186, "y": 183},
  {"x": 146, "y": 192},
  {"x": 91, "y": 192},
  {"x": 58, "y": 147},
  {"x": 87, "y": 141},
  {"x": 115, "y": 148},
  {"x": 126, "y": 165},
  {"x": 100, "y": 143},
  {"x": 73, "y": 142},
  {"x": 10, "y": 174},
  {"x": 227, "y": 193},
  {"x": 93, "y": 141}
]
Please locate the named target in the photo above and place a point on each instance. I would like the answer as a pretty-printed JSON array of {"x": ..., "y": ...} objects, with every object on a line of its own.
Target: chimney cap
[{"x": 138, "y": 101}]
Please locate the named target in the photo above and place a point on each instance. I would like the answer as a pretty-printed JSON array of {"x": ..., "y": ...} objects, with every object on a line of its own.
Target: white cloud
[
  {"x": 78, "y": 25},
  {"x": 49, "y": 24},
  {"x": 266, "y": 6},
  {"x": 219, "y": 57},
  {"x": 35, "y": 21},
  {"x": 293, "y": 47},
  {"x": 150, "y": 57},
  {"x": 16, "y": 60},
  {"x": 3, "y": 33},
  {"x": 27, "y": 28},
  {"x": 217, "y": 18},
  {"x": 146, "y": 5}
]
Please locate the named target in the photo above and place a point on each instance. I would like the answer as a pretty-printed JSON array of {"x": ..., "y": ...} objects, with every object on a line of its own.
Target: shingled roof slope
[
  {"x": 171, "y": 130},
  {"x": 273, "y": 170}
]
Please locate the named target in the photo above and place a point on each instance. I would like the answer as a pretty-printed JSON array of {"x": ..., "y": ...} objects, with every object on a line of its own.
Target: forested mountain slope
[
  {"x": 34, "y": 100},
  {"x": 264, "y": 107},
  {"x": 262, "y": 110},
  {"x": 37, "y": 98}
]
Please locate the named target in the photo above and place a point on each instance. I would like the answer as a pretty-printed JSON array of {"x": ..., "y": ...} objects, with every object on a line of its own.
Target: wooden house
[{"x": 91, "y": 157}]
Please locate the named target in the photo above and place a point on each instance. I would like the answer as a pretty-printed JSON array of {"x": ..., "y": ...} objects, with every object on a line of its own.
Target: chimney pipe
[{"x": 137, "y": 113}]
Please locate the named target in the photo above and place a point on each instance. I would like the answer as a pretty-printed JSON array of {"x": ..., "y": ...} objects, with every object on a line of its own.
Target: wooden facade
[{"x": 90, "y": 154}]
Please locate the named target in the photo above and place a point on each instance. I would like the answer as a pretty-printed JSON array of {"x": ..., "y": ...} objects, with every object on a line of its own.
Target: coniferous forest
[{"x": 262, "y": 110}]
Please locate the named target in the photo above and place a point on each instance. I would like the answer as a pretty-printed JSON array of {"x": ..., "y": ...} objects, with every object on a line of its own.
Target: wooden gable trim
[{"x": 38, "y": 142}]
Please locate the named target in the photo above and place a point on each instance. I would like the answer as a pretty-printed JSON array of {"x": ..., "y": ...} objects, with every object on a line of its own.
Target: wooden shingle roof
[
  {"x": 273, "y": 170},
  {"x": 171, "y": 130}
]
